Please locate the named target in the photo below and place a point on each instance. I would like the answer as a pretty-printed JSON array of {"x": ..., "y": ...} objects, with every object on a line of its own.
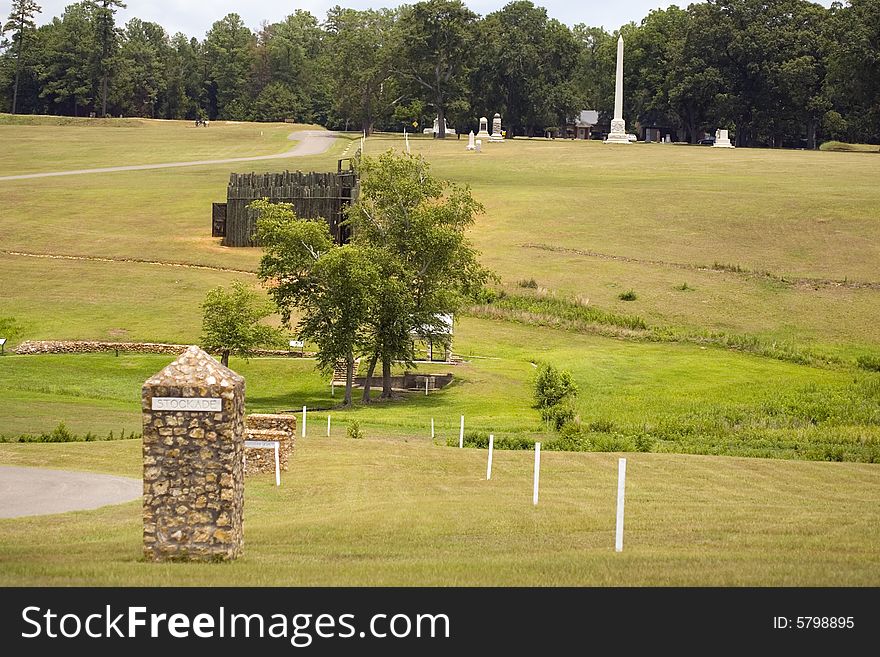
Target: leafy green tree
[
  {"x": 437, "y": 40},
  {"x": 141, "y": 84},
  {"x": 277, "y": 102},
  {"x": 528, "y": 63},
  {"x": 107, "y": 37},
  {"x": 66, "y": 67},
  {"x": 361, "y": 46},
  {"x": 231, "y": 322},
  {"x": 21, "y": 24},
  {"x": 229, "y": 55},
  {"x": 332, "y": 287},
  {"x": 416, "y": 223}
]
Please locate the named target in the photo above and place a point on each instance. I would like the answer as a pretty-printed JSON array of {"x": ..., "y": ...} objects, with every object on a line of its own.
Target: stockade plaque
[{"x": 193, "y": 449}]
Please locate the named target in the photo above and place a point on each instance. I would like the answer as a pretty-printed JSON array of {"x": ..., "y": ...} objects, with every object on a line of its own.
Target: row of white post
[
  {"x": 621, "y": 472},
  {"x": 621, "y": 480}
]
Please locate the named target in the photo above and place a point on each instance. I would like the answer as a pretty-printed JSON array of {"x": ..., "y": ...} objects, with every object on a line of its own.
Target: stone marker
[
  {"x": 277, "y": 427},
  {"x": 472, "y": 146},
  {"x": 479, "y": 145},
  {"x": 721, "y": 139},
  {"x": 618, "y": 124},
  {"x": 193, "y": 446},
  {"x": 484, "y": 128},
  {"x": 496, "y": 137}
]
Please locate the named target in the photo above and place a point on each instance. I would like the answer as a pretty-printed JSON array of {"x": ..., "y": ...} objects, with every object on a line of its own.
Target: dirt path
[
  {"x": 137, "y": 261},
  {"x": 311, "y": 142},
  {"x": 39, "y": 491}
]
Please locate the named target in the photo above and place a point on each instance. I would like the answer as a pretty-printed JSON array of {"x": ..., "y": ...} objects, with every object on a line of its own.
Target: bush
[
  {"x": 644, "y": 442},
  {"x": 553, "y": 386},
  {"x": 61, "y": 434},
  {"x": 531, "y": 284},
  {"x": 869, "y": 362},
  {"x": 601, "y": 426},
  {"x": 558, "y": 415},
  {"x": 629, "y": 295},
  {"x": 684, "y": 287},
  {"x": 354, "y": 430}
]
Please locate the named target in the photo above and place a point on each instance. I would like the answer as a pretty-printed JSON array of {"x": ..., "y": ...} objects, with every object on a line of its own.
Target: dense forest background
[{"x": 775, "y": 72}]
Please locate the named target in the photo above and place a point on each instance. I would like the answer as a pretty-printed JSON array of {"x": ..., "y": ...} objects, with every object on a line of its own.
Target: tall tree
[
  {"x": 361, "y": 47},
  {"x": 437, "y": 47},
  {"x": 229, "y": 56},
  {"x": 21, "y": 24},
  {"x": 108, "y": 38},
  {"x": 417, "y": 223},
  {"x": 232, "y": 325},
  {"x": 332, "y": 287},
  {"x": 66, "y": 69}
]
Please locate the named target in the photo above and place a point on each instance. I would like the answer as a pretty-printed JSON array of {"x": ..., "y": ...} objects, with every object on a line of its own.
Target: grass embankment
[
  {"x": 394, "y": 513},
  {"x": 844, "y": 147}
]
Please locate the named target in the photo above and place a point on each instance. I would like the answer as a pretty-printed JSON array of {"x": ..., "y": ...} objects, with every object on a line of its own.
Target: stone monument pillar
[
  {"x": 484, "y": 128},
  {"x": 472, "y": 146},
  {"x": 496, "y": 136},
  {"x": 193, "y": 442},
  {"x": 721, "y": 139},
  {"x": 618, "y": 125}
]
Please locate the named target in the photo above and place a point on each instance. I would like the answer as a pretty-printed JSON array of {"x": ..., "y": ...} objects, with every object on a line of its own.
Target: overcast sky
[{"x": 194, "y": 18}]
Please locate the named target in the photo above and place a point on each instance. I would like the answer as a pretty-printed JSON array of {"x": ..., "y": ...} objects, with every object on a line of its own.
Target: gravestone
[
  {"x": 472, "y": 146},
  {"x": 484, "y": 128},
  {"x": 721, "y": 139},
  {"x": 496, "y": 136},
  {"x": 193, "y": 449}
]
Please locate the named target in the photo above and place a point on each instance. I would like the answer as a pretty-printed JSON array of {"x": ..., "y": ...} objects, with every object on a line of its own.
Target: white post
[
  {"x": 621, "y": 486},
  {"x": 332, "y": 390},
  {"x": 432, "y": 428},
  {"x": 461, "y": 434},
  {"x": 328, "y": 425},
  {"x": 304, "y": 422},
  {"x": 489, "y": 467},
  {"x": 537, "y": 472},
  {"x": 277, "y": 466}
]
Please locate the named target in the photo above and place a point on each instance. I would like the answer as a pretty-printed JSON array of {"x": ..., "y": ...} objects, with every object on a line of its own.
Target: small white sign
[
  {"x": 2, "y": 341},
  {"x": 195, "y": 404},
  {"x": 299, "y": 344}
]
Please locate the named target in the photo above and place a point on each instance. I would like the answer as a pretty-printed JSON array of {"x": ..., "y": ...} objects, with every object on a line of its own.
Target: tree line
[{"x": 774, "y": 72}]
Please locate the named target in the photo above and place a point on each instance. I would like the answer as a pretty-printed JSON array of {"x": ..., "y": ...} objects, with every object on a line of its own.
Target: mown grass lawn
[{"x": 379, "y": 512}]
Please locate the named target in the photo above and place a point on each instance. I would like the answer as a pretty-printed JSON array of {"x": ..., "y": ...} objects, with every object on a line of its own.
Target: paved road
[
  {"x": 311, "y": 142},
  {"x": 38, "y": 491}
]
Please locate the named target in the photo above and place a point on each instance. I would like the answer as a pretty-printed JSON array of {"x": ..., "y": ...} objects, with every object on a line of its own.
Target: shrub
[
  {"x": 629, "y": 295},
  {"x": 644, "y": 442},
  {"x": 601, "y": 426},
  {"x": 61, "y": 434},
  {"x": 869, "y": 362},
  {"x": 553, "y": 386},
  {"x": 531, "y": 284},
  {"x": 354, "y": 430},
  {"x": 684, "y": 287},
  {"x": 558, "y": 415}
]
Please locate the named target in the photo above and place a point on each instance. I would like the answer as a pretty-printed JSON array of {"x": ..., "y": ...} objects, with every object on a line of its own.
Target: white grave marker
[
  {"x": 461, "y": 434},
  {"x": 328, "y": 426},
  {"x": 304, "y": 422}
]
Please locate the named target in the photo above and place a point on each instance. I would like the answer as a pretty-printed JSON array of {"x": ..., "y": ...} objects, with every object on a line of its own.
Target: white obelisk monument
[{"x": 618, "y": 125}]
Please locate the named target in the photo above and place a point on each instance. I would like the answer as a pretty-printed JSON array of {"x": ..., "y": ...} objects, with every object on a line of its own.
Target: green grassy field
[
  {"x": 378, "y": 512},
  {"x": 778, "y": 250}
]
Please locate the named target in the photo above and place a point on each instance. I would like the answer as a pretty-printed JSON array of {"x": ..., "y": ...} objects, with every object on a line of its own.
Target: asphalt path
[
  {"x": 39, "y": 491},
  {"x": 310, "y": 142}
]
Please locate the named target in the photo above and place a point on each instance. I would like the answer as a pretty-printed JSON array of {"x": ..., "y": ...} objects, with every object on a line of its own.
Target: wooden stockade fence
[{"x": 312, "y": 195}]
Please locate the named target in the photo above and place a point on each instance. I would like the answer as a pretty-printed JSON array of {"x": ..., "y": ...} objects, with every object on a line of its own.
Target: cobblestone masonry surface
[
  {"x": 269, "y": 427},
  {"x": 194, "y": 463}
]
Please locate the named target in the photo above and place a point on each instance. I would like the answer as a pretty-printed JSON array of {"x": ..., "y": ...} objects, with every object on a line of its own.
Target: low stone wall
[
  {"x": 269, "y": 427},
  {"x": 409, "y": 381},
  {"x": 33, "y": 347}
]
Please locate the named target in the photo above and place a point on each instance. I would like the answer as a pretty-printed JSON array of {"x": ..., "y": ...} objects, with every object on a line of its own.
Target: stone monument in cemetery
[
  {"x": 496, "y": 136},
  {"x": 618, "y": 125},
  {"x": 193, "y": 450},
  {"x": 484, "y": 128},
  {"x": 472, "y": 145},
  {"x": 435, "y": 129},
  {"x": 721, "y": 139}
]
